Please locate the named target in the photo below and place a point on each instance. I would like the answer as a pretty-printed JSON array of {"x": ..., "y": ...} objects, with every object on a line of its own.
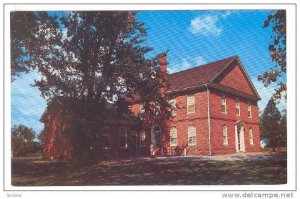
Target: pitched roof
[{"x": 198, "y": 75}]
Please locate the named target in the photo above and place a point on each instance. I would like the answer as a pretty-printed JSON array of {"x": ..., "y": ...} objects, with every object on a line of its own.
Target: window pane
[
  {"x": 173, "y": 107},
  {"x": 223, "y": 104},
  {"x": 173, "y": 137},
  {"x": 191, "y": 104},
  {"x": 249, "y": 110},
  {"x": 237, "y": 107},
  {"x": 251, "y": 137},
  {"x": 225, "y": 137},
  {"x": 192, "y": 135},
  {"x": 143, "y": 139}
]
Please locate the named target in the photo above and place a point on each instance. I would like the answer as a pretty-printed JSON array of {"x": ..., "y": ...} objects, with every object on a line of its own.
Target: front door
[
  {"x": 156, "y": 136},
  {"x": 239, "y": 138}
]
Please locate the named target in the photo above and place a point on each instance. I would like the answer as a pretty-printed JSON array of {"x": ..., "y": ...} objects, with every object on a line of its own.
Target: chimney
[{"x": 163, "y": 62}]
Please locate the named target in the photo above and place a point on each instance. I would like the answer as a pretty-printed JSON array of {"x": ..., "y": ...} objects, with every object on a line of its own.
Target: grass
[{"x": 263, "y": 168}]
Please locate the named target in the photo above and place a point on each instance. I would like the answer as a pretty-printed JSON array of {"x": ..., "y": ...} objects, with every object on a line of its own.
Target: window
[
  {"x": 142, "y": 109},
  {"x": 192, "y": 135},
  {"x": 223, "y": 104},
  {"x": 123, "y": 138},
  {"x": 173, "y": 137},
  {"x": 190, "y": 104},
  {"x": 173, "y": 107},
  {"x": 157, "y": 109},
  {"x": 249, "y": 110},
  {"x": 106, "y": 141},
  {"x": 237, "y": 107},
  {"x": 225, "y": 137},
  {"x": 155, "y": 136},
  {"x": 251, "y": 137},
  {"x": 143, "y": 139}
]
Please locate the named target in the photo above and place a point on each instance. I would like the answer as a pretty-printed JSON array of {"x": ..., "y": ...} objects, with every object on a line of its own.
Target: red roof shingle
[{"x": 198, "y": 75}]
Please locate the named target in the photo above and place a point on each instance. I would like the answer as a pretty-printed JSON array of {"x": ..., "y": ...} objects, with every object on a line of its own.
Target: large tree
[
  {"x": 277, "y": 47},
  {"x": 270, "y": 125},
  {"x": 22, "y": 140},
  {"x": 98, "y": 58},
  {"x": 283, "y": 131},
  {"x": 26, "y": 38}
]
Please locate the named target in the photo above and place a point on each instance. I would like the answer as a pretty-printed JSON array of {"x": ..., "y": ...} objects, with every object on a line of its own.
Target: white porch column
[
  {"x": 236, "y": 138},
  {"x": 242, "y": 140}
]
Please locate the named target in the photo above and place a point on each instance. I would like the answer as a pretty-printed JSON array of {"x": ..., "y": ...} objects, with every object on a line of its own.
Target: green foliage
[
  {"x": 28, "y": 37},
  {"x": 277, "y": 48},
  {"x": 96, "y": 58},
  {"x": 283, "y": 131},
  {"x": 270, "y": 125},
  {"x": 22, "y": 141}
]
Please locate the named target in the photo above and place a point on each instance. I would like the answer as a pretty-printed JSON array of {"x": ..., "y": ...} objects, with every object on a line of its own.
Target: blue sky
[{"x": 193, "y": 38}]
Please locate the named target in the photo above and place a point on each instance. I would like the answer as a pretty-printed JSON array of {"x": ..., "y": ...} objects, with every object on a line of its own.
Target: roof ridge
[{"x": 231, "y": 57}]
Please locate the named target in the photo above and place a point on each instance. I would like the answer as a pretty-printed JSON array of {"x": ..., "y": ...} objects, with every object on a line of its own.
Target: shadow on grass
[{"x": 183, "y": 171}]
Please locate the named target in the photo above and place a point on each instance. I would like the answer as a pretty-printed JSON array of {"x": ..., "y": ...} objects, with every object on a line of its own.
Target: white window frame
[
  {"x": 223, "y": 103},
  {"x": 109, "y": 135},
  {"x": 126, "y": 138},
  {"x": 172, "y": 103},
  {"x": 249, "y": 110},
  {"x": 225, "y": 135},
  {"x": 143, "y": 139},
  {"x": 173, "y": 131},
  {"x": 192, "y": 134},
  {"x": 142, "y": 109},
  {"x": 190, "y": 101},
  {"x": 251, "y": 139},
  {"x": 237, "y": 107}
]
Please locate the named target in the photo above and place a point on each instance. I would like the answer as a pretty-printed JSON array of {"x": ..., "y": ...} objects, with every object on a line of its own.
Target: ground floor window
[
  {"x": 225, "y": 137},
  {"x": 251, "y": 137},
  {"x": 192, "y": 135},
  {"x": 173, "y": 137},
  {"x": 143, "y": 139},
  {"x": 123, "y": 138},
  {"x": 106, "y": 141}
]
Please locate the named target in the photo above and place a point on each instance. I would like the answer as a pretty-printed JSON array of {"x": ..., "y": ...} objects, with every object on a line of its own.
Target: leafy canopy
[
  {"x": 277, "y": 48},
  {"x": 94, "y": 56}
]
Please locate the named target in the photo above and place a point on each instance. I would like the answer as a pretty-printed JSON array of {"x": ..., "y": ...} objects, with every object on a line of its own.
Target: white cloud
[
  {"x": 186, "y": 63},
  {"x": 208, "y": 24},
  {"x": 200, "y": 61}
]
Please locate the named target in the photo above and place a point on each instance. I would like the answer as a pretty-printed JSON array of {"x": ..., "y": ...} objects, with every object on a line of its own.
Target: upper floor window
[
  {"x": 249, "y": 110},
  {"x": 225, "y": 136},
  {"x": 192, "y": 135},
  {"x": 123, "y": 138},
  {"x": 142, "y": 111},
  {"x": 237, "y": 107},
  {"x": 190, "y": 104},
  {"x": 223, "y": 104},
  {"x": 142, "y": 108},
  {"x": 173, "y": 137},
  {"x": 251, "y": 137},
  {"x": 173, "y": 107}
]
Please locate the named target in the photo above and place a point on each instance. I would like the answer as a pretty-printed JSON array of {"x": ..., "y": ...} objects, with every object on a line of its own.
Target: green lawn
[{"x": 262, "y": 168}]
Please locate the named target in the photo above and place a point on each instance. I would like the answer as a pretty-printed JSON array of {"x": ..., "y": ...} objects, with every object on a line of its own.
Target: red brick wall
[
  {"x": 236, "y": 79},
  {"x": 198, "y": 119},
  {"x": 218, "y": 119}
]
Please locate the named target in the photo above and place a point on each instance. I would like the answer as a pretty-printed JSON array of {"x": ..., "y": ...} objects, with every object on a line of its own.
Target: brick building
[{"x": 215, "y": 111}]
